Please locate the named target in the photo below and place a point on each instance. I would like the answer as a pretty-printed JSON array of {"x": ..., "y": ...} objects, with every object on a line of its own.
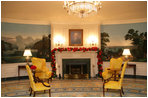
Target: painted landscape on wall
[
  {"x": 116, "y": 38},
  {"x": 15, "y": 38}
]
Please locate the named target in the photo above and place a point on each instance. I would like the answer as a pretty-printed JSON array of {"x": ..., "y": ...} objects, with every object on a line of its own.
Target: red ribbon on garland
[{"x": 99, "y": 56}]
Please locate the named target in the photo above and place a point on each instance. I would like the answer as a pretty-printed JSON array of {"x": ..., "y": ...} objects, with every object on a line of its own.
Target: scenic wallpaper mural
[
  {"x": 116, "y": 37},
  {"x": 15, "y": 38}
]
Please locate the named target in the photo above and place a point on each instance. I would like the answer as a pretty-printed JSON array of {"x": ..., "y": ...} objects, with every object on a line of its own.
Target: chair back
[
  {"x": 40, "y": 63},
  {"x": 116, "y": 63},
  {"x": 32, "y": 83},
  {"x": 122, "y": 73}
]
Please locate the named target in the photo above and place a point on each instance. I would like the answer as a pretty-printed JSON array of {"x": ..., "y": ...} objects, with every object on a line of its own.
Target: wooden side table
[
  {"x": 134, "y": 68},
  {"x": 19, "y": 68}
]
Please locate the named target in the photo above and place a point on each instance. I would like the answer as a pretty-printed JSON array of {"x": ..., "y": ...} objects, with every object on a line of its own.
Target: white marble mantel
[{"x": 92, "y": 55}]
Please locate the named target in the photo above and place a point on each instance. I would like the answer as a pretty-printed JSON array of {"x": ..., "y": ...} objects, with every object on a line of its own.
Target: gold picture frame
[{"x": 75, "y": 37}]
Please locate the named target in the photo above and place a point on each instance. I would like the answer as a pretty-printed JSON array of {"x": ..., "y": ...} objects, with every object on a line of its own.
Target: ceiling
[{"x": 53, "y": 12}]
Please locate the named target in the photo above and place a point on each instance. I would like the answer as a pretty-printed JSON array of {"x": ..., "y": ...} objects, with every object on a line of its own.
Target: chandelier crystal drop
[{"x": 82, "y": 8}]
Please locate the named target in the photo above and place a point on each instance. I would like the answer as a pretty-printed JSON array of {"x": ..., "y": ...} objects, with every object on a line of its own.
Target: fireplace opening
[{"x": 76, "y": 68}]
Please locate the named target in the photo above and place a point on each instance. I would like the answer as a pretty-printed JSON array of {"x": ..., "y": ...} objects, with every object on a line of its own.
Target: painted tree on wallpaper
[
  {"x": 104, "y": 41},
  {"x": 108, "y": 53},
  {"x": 139, "y": 42},
  {"x": 135, "y": 41},
  {"x": 43, "y": 47},
  {"x": 16, "y": 38}
]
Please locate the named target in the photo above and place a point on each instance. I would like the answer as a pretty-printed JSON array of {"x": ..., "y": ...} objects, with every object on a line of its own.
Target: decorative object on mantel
[
  {"x": 59, "y": 41},
  {"x": 82, "y": 8},
  {"x": 92, "y": 40},
  {"x": 98, "y": 51}
]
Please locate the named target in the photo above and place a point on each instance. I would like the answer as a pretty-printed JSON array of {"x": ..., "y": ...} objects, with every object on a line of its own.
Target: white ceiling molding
[
  {"x": 37, "y": 22},
  {"x": 125, "y": 21}
]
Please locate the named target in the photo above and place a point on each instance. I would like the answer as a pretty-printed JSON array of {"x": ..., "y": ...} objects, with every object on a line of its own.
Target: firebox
[{"x": 76, "y": 68}]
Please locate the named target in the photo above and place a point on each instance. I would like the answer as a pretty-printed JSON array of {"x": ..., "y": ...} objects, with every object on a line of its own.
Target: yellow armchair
[
  {"x": 42, "y": 72},
  {"x": 36, "y": 86},
  {"x": 115, "y": 84},
  {"x": 115, "y": 64}
]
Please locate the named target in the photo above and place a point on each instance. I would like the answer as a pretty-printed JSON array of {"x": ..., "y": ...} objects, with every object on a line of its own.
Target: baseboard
[
  {"x": 137, "y": 76},
  {"x": 26, "y": 77},
  {"x": 14, "y": 78}
]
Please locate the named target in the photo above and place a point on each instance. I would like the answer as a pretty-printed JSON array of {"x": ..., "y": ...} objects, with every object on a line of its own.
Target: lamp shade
[
  {"x": 27, "y": 52},
  {"x": 126, "y": 52}
]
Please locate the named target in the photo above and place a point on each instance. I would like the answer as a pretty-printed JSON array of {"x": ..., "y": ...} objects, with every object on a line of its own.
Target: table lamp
[
  {"x": 126, "y": 53},
  {"x": 27, "y": 53}
]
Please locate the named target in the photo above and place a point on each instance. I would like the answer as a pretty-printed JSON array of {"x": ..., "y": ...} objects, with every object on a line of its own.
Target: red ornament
[
  {"x": 87, "y": 49},
  {"x": 33, "y": 67},
  {"x": 100, "y": 73},
  {"x": 83, "y": 49},
  {"x": 99, "y": 59},
  {"x": 80, "y": 49},
  {"x": 101, "y": 68},
  {"x": 98, "y": 63},
  {"x": 100, "y": 53},
  {"x": 52, "y": 65},
  {"x": 54, "y": 69},
  {"x": 52, "y": 73},
  {"x": 69, "y": 49},
  {"x": 101, "y": 62}
]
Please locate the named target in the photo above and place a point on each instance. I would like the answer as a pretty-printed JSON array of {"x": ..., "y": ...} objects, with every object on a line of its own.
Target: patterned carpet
[{"x": 75, "y": 88}]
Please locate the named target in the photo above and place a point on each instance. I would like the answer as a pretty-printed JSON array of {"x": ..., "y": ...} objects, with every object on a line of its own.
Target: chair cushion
[
  {"x": 113, "y": 85},
  {"x": 106, "y": 75},
  {"x": 43, "y": 75},
  {"x": 40, "y": 87},
  {"x": 116, "y": 63},
  {"x": 38, "y": 63},
  {"x": 42, "y": 72}
]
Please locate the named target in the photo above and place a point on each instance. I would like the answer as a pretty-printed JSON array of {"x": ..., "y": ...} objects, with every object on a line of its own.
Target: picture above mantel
[{"x": 75, "y": 37}]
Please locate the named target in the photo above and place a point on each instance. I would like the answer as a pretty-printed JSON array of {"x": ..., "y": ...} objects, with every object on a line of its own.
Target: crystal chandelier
[{"x": 82, "y": 8}]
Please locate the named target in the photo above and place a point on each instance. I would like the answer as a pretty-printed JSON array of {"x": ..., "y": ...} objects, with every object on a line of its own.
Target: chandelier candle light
[{"x": 82, "y": 8}]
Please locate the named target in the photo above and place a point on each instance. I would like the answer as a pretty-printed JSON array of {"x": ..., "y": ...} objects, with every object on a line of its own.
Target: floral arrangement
[
  {"x": 98, "y": 51},
  {"x": 33, "y": 67}
]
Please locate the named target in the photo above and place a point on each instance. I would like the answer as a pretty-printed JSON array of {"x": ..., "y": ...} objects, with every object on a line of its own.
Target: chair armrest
[
  {"x": 108, "y": 69},
  {"x": 45, "y": 84}
]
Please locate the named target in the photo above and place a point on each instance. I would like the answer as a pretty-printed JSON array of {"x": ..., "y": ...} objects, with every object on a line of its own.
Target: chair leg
[
  {"x": 120, "y": 93},
  {"x": 34, "y": 94},
  {"x": 29, "y": 88},
  {"x": 51, "y": 79},
  {"x": 102, "y": 79},
  {"x": 30, "y": 91},
  {"x": 49, "y": 93},
  {"x": 122, "y": 90},
  {"x": 103, "y": 91}
]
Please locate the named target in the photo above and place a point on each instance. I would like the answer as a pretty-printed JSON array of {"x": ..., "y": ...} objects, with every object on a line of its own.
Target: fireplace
[{"x": 76, "y": 68}]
